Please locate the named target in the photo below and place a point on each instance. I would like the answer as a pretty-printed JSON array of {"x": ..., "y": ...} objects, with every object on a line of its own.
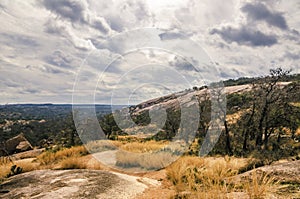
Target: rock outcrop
[
  {"x": 72, "y": 184},
  {"x": 284, "y": 172},
  {"x": 14, "y": 145}
]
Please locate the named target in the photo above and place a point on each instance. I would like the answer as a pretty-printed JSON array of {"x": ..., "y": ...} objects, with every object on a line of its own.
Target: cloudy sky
[{"x": 132, "y": 50}]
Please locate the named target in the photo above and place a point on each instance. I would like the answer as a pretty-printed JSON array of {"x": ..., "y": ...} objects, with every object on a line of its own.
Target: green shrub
[{"x": 14, "y": 170}]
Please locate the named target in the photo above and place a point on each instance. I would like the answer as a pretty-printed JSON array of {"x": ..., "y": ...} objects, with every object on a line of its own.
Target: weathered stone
[{"x": 71, "y": 184}]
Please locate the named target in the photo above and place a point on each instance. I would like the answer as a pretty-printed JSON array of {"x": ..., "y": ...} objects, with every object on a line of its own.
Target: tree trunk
[
  {"x": 228, "y": 145},
  {"x": 245, "y": 140},
  {"x": 246, "y": 131},
  {"x": 259, "y": 140}
]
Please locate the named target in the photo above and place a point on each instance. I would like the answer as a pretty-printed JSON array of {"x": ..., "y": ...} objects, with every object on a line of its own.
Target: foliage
[
  {"x": 14, "y": 170},
  {"x": 42, "y": 124},
  {"x": 267, "y": 119}
]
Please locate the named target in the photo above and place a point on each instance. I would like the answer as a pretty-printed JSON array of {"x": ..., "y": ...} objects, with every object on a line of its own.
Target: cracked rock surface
[{"x": 71, "y": 184}]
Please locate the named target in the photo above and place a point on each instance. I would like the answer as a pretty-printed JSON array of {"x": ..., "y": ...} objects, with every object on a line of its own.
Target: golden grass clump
[
  {"x": 49, "y": 157},
  {"x": 26, "y": 165},
  {"x": 102, "y": 145},
  {"x": 144, "y": 147},
  {"x": 197, "y": 177},
  {"x": 4, "y": 170},
  {"x": 259, "y": 185},
  {"x": 149, "y": 161},
  {"x": 5, "y": 160},
  {"x": 179, "y": 173},
  {"x": 73, "y": 163}
]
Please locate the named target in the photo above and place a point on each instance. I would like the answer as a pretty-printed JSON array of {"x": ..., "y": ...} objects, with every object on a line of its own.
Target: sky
[{"x": 128, "y": 51}]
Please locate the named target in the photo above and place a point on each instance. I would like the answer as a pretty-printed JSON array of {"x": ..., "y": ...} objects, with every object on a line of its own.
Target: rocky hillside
[
  {"x": 262, "y": 114},
  {"x": 172, "y": 101}
]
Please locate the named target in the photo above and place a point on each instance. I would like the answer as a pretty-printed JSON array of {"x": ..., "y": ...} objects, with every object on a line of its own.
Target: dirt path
[{"x": 106, "y": 157}]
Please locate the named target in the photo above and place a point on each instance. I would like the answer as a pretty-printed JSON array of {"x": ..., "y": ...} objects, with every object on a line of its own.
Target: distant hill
[
  {"x": 260, "y": 111},
  {"x": 43, "y": 124},
  {"x": 43, "y": 111},
  {"x": 250, "y": 80}
]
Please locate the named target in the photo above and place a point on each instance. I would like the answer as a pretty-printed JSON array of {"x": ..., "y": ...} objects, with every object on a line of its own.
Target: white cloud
[{"x": 44, "y": 44}]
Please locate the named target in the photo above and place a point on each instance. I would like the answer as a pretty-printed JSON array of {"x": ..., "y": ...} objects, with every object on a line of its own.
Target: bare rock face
[
  {"x": 284, "y": 172},
  {"x": 16, "y": 144},
  {"x": 71, "y": 184},
  {"x": 287, "y": 172}
]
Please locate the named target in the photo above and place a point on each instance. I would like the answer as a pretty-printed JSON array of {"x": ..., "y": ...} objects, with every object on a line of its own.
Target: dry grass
[
  {"x": 147, "y": 155},
  {"x": 26, "y": 165},
  {"x": 49, "y": 158},
  {"x": 102, "y": 145},
  {"x": 212, "y": 178},
  {"x": 233, "y": 118},
  {"x": 93, "y": 164},
  {"x": 144, "y": 147},
  {"x": 5, "y": 160},
  {"x": 179, "y": 173},
  {"x": 4, "y": 170},
  {"x": 297, "y": 104},
  {"x": 73, "y": 163},
  {"x": 149, "y": 161},
  {"x": 259, "y": 185}
]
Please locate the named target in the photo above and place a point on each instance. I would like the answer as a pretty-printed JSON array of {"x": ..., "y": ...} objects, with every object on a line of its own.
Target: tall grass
[
  {"x": 4, "y": 170},
  {"x": 102, "y": 145},
  {"x": 148, "y": 161},
  {"x": 26, "y": 165},
  {"x": 195, "y": 177},
  {"x": 49, "y": 157},
  {"x": 144, "y": 147},
  {"x": 73, "y": 163},
  {"x": 259, "y": 185}
]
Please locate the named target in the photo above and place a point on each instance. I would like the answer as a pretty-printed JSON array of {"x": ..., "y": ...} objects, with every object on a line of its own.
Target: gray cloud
[
  {"x": 30, "y": 91},
  {"x": 141, "y": 10},
  {"x": 70, "y": 9},
  {"x": 46, "y": 69},
  {"x": 293, "y": 35},
  {"x": 10, "y": 83},
  {"x": 100, "y": 23},
  {"x": 62, "y": 60},
  {"x": 17, "y": 39},
  {"x": 186, "y": 65},
  {"x": 115, "y": 23},
  {"x": 245, "y": 36},
  {"x": 291, "y": 55},
  {"x": 259, "y": 12},
  {"x": 30, "y": 60},
  {"x": 54, "y": 27},
  {"x": 76, "y": 11},
  {"x": 2, "y": 7},
  {"x": 171, "y": 36}
]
